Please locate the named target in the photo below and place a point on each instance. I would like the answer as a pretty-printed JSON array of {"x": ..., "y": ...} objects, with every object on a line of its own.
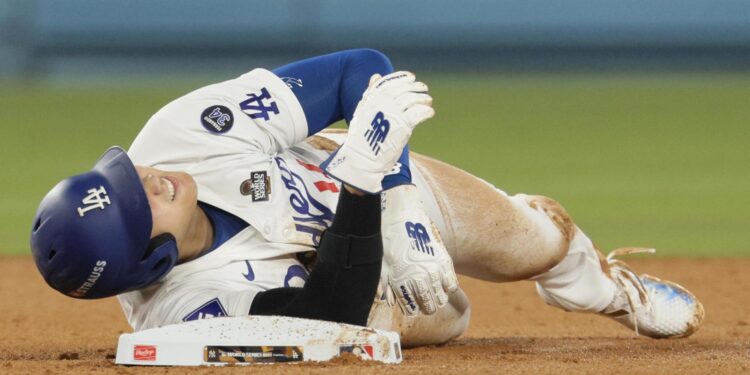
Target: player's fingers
[
  {"x": 409, "y": 99},
  {"x": 418, "y": 87},
  {"x": 405, "y": 298},
  {"x": 450, "y": 280},
  {"x": 396, "y": 91},
  {"x": 424, "y": 296},
  {"x": 380, "y": 293},
  {"x": 437, "y": 288},
  {"x": 393, "y": 80},
  {"x": 374, "y": 78},
  {"x": 418, "y": 113},
  {"x": 389, "y": 297}
]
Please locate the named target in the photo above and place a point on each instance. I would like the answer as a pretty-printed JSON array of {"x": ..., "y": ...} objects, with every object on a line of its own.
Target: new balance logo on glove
[
  {"x": 417, "y": 266},
  {"x": 379, "y": 131},
  {"x": 391, "y": 107},
  {"x": 420, "y": 239}
]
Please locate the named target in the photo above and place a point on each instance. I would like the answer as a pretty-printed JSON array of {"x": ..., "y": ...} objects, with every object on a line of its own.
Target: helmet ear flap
[
  {"x": 159, "y": 258},
  {"x": 157, "y": 242}
]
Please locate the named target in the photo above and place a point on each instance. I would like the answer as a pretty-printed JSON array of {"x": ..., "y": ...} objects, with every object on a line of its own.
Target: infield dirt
[{"x": 512, "y": 331}]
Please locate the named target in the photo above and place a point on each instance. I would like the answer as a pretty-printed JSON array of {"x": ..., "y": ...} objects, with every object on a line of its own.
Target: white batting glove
[
  {"x": 417, "y": 266},
  {"x": 391, "y": 107}
]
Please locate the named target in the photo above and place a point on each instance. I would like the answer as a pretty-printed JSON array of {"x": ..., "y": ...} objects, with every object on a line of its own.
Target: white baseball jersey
[{"x": 242, "y": 141}]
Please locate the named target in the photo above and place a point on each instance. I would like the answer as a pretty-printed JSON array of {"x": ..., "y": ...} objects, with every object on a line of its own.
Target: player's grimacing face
[{"x": 173, "y": 198}]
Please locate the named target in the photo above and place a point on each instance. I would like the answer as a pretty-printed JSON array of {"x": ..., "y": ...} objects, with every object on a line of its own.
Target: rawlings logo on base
[{"x": 144, "y": 353}]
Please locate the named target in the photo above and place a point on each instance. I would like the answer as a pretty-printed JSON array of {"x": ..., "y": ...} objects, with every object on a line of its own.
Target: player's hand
[
  {"x": 417, "y": 266},
  {"x": 399, "y": 96},
  {"x": 391, "y": 107}
]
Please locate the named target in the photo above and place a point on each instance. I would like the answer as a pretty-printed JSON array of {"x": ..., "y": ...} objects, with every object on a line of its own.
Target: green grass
[{"x": 643, "y": 160}]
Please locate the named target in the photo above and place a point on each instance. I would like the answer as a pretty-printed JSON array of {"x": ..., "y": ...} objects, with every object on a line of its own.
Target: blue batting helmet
[{"x": 91, "y": 237}]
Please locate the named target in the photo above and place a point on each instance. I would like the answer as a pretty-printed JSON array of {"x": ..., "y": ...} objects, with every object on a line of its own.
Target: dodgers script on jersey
[{"x": 245, "y": 142}]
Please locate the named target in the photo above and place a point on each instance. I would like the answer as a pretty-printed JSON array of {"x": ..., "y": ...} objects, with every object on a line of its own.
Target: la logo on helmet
[{"x": 95, "y": 199}]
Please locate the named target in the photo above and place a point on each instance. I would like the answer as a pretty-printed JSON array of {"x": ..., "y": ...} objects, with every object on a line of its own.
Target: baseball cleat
[{"x": 648, "y": 305}]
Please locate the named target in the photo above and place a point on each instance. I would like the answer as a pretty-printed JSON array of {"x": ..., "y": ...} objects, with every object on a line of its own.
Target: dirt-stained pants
[{"x": 496, "y": 237}]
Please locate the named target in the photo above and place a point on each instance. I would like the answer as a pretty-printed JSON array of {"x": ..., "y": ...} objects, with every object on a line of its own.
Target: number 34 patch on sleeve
[{"x": 217, "y": 119}]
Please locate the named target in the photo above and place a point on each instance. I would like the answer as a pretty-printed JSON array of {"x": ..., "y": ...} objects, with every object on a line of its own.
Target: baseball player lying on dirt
[{"x": 241, "y": 204}]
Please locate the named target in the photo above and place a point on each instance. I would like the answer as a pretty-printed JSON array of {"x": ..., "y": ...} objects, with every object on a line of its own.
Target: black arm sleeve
[{"x": 341, "y": 287}]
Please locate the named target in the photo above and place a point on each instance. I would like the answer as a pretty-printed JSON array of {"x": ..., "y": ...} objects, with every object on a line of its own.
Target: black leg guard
[{"x": 343, "y": 284}]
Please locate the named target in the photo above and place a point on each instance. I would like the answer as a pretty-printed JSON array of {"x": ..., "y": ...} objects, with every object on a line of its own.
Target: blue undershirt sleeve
[{"x": 329, "y": 88}]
